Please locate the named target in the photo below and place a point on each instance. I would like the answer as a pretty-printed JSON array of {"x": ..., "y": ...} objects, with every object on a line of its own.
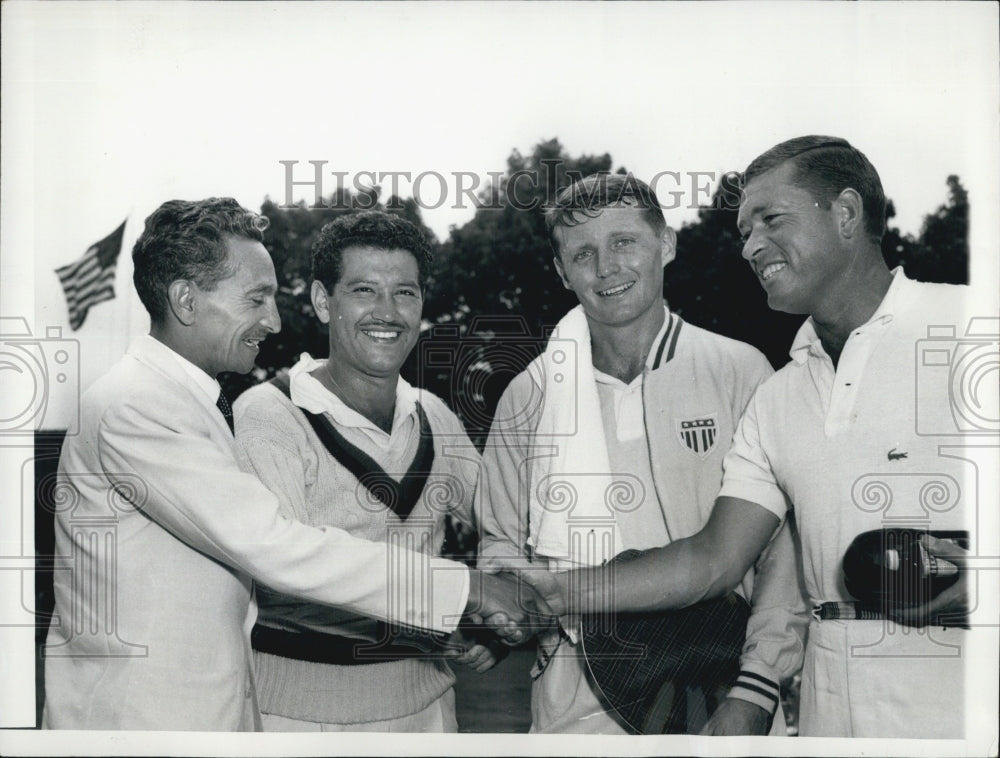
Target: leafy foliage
[
  {"x": 710, "y": 285},
  {"x": 941, "y": 252}
]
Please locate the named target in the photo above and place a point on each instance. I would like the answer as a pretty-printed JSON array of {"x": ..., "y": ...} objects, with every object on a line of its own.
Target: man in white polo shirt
[
  {"x": 632, "y": 409},
  {"x": 832, "y": 435}
]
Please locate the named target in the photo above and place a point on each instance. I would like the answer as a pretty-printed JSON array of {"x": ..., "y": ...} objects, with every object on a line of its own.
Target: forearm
[
  {"x": 675, "y": 576},
  {"x": 776, "y": 631},
  {"x": 706, "y": 565}
]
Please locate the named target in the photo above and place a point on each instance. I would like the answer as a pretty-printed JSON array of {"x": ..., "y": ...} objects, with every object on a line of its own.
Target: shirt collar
[
  {"x": 807, "y": 341},
  {"x": 651, "y": 356},
  {"x": 196, "y": 377},
  {"x": 309, "y": 394}
]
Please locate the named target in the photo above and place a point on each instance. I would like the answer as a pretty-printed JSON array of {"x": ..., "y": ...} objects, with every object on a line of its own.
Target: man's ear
[
  {"x": 557, "y": 262},
  {"x": 320, "y": 301},
  {"x": 182, "y": 300},
  {"x": 850, "y": 213},
  {"x": 668, "y": 245}
]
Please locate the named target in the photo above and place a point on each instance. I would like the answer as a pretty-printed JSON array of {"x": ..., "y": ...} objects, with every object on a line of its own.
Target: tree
[
  {"x": 710, "y": 285},
  {"x": 944, "y": 238},
  {"x": 941, "y": 252},
  {"x": 506, "y": 239}
]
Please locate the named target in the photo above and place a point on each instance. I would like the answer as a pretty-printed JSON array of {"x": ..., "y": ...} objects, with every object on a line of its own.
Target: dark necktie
[{"x": 227, "y": 411}]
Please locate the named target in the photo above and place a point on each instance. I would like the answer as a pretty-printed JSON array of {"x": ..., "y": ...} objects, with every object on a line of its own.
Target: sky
[
  {"x": 133, "y": 103},
  {"x": 109, "y": 109}
]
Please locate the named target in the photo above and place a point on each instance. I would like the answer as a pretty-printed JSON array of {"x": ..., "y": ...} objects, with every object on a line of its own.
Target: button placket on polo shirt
[{"x": 848, "y": 375}]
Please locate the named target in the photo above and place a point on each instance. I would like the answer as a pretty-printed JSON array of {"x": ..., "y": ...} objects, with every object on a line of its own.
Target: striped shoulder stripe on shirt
[{"x": 668, "y": 344}]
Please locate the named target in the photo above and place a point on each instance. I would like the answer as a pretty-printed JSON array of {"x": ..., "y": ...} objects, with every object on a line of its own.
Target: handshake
[{"x": 515, "y": 605}]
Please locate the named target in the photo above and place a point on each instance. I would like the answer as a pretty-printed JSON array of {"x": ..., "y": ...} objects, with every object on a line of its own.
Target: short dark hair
[
  {"x": 376, "y": 229},
  {"x": 186, "y": 239},
  {"x": 591, "y": 195},
  {"x": 825, "y": 167}
]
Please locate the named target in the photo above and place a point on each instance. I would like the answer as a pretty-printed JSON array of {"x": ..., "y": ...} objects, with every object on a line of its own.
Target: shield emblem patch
[{"x": 698, "y": 434}]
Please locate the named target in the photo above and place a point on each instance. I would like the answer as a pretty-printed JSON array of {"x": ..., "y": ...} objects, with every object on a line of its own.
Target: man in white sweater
[{"x": 346, "y": 442}]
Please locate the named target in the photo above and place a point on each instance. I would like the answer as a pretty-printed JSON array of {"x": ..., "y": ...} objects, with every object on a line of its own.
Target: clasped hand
[{"x": 515, "y": 605}]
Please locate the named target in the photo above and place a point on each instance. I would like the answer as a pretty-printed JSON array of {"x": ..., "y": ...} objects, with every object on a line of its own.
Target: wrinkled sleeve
[
  {"x": 194, "y": 488},
  {"x": 501, "y": 502},
  {"x": 747, "y": 473},
  {"x": 269, "y": 447},
  {"x": 776, "y": 632}
]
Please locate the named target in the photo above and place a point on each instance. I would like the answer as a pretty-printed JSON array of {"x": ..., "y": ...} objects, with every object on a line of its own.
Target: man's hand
[
  {"x": 544, "y": 597},
  {"x": 505, "y": 604},
  {"x": 951, "y": 606},
  {"x": 735, "y": 717},
  {"x": 465, "y": 651},
  {"x": 550, "y": 591}
]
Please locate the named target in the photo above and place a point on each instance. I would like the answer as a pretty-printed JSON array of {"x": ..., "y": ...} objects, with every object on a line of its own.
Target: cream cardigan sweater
[{"x": 277, "y": 444}]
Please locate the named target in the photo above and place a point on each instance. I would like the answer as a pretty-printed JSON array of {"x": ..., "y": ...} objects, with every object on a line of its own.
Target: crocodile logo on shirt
[
  {"x": 894, "y": 456},
  {"x": 698, "y": 434}
]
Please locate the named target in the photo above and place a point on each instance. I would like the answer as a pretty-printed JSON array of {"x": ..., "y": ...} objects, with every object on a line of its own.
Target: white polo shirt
[
  {"x": 851, "y": 450},
  {"x": 828, "y": 443}
]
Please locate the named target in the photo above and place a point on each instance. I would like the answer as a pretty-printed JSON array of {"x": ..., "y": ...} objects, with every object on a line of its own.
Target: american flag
[{"x": 91, "y": 279}]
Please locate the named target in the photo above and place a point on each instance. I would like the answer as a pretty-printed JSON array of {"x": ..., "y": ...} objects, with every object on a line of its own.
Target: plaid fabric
[{"x": 643, "y": 664}]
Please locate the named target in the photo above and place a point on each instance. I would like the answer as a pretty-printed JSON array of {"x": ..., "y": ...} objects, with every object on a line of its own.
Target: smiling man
[
  {"x": 346, "y": 442},
  {"x": 634, "y": 426},
  {"x": 831, "y": 437},
  {"x": 165, "y": 533}
]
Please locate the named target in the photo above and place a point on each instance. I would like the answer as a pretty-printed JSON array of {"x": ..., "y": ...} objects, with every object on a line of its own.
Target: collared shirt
[
  {"x": 310, "y": 394},
  {"x": 627, "y": 398},
  {"x": 840, "y": 386},
  {"x": 842, "y": 447},
  {"x": 198, "y": 379}
]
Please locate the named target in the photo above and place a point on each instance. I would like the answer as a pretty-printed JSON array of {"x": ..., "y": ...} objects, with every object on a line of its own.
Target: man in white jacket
[{"x": 166, "y": 533}]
